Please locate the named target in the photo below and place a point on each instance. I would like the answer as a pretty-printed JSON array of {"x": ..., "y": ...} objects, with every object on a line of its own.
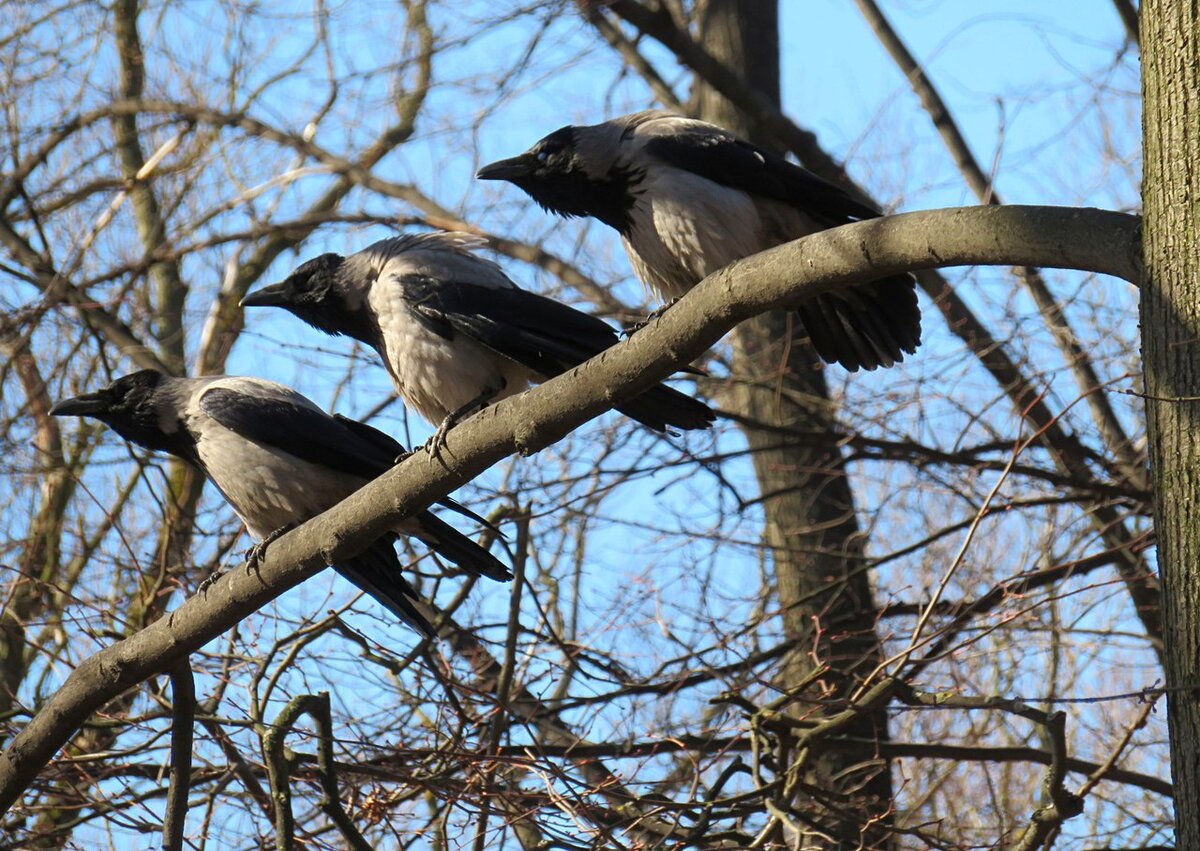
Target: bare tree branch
[
  {"x": 1130, "y": 465},
  {"x": 183, "y": 704},
  {"x": 279, "y": 762},
  {"x": 1024, "y": 394},
  {"x": 1129, "y": 18},
  {"x": 1071, "y": 238}
]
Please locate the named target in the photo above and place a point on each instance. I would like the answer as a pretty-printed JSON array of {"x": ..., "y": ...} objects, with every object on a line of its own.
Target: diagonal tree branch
[
  {"x": 1092, "y": 240},
  {"x": 1129, "y": 18}
]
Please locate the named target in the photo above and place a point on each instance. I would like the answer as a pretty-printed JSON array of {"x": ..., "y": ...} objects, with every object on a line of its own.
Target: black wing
[
  {"x": 453, "y": 545},
  {"x": 337, "y": 442},
  {"x": 299, "y": 430},
  {"x": 868, "y": 326},
  {"x": 386, "y": 444},
  {"x": 376, "y": 570},
  {"x": 545, "y": 335},
  {"x": 394, "y": 449},
  {"x": 738, "y": 164}
]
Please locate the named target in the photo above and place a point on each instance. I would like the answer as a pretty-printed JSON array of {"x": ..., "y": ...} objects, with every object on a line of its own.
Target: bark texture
[
  {"x": 1170, "y": 313},
  {"x": 1092, "y": 240},
  {"x": 811, "y": 525}
]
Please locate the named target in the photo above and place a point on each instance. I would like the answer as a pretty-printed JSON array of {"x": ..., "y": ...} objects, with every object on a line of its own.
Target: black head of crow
[
  {"x": 131, "y": 407},
  {"x": 689, "y": 198},
  {"x": 314, "y": 292},
  {"x": 573, "y": 172}
]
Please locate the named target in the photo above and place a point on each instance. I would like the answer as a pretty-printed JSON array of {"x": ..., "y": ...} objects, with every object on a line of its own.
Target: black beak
[
  {"x": 274, "y": 295},
  {"x": 87, "y": 405},
  {"x": 512, "y": 168}
]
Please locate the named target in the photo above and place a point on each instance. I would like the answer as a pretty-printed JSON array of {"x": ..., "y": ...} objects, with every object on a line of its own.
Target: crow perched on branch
[
  {"x": 689, "y": 198},
  {"x": 279, "y": 460},
  {"x": 454, "y": 331}
]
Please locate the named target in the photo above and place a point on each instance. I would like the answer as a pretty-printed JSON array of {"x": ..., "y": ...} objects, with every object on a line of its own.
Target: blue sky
[{"x": 1020, "y": 77}]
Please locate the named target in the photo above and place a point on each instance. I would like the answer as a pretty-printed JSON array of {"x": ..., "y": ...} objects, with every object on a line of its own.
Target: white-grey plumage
[
  {"x": 454, "y": 332},
  {"x": 279, "y": 460},
  {"x": 689, "y": 198},
  {"x": 436, "y": 374}
]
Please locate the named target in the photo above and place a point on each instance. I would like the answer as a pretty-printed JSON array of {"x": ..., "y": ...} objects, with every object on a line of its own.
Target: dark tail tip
[
  {"x": 664, "y": 407},
  {"x": 456, "y": 547},
  {"x": 866, "y": 327}
]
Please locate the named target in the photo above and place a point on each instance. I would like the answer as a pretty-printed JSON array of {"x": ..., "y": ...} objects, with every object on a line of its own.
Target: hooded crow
[
  {"x": 454, "y": 331},
  {"x": 279, "y": 460},
  {"x": 689, "y": 198}
]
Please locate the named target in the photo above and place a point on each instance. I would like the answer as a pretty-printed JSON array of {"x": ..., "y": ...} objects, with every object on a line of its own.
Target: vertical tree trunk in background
[
  {"x": 1170, "y": 313},
  {"x": 811, "y": 527}
]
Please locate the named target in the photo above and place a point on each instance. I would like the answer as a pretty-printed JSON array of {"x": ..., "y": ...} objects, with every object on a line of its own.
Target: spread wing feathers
[
  {"x": 545, "y": 335},
  {"x": 869, "y": 326},
  {"x": 376, "y": 571},
  {"x": 733, "y": 162}
]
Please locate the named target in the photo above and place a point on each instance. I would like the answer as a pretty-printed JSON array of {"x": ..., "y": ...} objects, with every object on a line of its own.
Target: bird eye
[{"x": 543, "y": 156}]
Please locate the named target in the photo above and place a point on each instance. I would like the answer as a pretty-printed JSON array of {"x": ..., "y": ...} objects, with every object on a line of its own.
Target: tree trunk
[
  {"x": 1170, "y": 313},
  {"x": 811, "y": 526}
]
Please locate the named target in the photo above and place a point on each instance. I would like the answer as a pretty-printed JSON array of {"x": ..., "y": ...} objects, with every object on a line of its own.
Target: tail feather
[
  {"x": 453, "y": 545},
  {"x": 662, "y": 406},
  {"x": 376, "y": 571},
  {"x": 869, "y": 326},
  {"x": 459, "y": 508}
]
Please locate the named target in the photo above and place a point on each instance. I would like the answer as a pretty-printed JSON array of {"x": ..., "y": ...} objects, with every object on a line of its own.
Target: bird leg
[
  {"x": 209, "y": 581},
  {"x": 258, "y": 552},
  {"x": 650, "y": 317},
  {"x": 437, "y": 442}
]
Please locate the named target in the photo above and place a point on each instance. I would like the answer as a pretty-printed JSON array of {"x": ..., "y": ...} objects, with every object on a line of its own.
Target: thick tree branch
[{"x": 1092, "y": 240}]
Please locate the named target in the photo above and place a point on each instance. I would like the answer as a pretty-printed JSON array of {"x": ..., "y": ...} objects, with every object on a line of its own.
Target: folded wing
[
  {"x": 544, "y": 335},
  {"x": 867, "y": 326},
  {"x": 299, "y": 429}
]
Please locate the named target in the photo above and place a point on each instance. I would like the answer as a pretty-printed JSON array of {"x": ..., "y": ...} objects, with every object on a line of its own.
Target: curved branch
[
  {"x": 279, "y": 762},
  {"x": 1092, "y": 240},
  {"x": 1066, "y": 448}
]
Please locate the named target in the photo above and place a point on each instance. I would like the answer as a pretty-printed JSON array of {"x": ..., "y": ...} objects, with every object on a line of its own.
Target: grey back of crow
[
  {"x": 689, "y": 198},
  {"x": 454, "y": 332},
  {"x": 279, "y": 460}
]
